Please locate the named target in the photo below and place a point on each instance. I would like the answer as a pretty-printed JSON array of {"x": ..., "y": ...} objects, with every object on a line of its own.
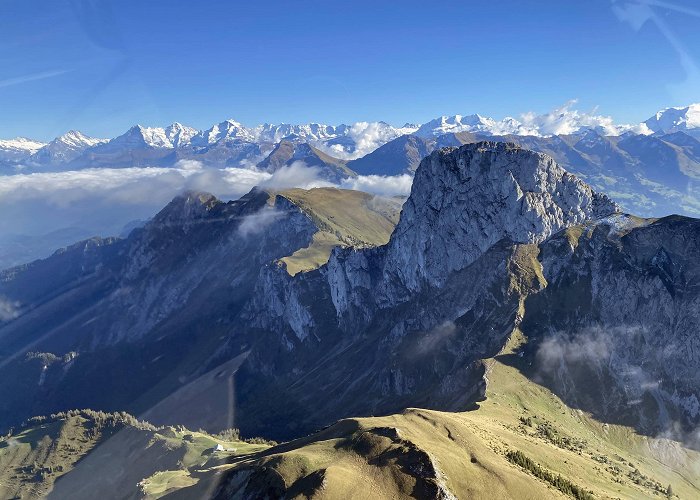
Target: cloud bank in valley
[{"x": 53, "y": 209}]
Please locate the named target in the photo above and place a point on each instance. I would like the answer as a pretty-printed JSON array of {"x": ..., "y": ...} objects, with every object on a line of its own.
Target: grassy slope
[
  {"x": 197, "y": 461},
  {"x": 419, "y": 453},
  {"x": 81, "y": 456},
  {"x": 344, "y": 218},
  {"x": 362, "y": 458}
]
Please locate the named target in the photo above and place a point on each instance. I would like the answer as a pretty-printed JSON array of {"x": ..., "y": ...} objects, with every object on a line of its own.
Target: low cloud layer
[
  {"x": 298, "y": 174},
  {"x": 398, "y": 185},
  {"x": 45, "y": 209}
]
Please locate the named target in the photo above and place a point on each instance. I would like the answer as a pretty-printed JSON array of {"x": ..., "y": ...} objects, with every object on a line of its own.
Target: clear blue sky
[{"x": 101, "y": 66}]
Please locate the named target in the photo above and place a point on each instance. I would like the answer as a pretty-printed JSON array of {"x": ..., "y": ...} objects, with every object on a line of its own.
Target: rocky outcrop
[
  {"x": 615, "y": 330},
  {"x": 465, "y": 200}
]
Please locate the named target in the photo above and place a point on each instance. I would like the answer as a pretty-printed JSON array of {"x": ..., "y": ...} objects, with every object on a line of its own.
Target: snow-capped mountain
[
  {"x": 180, "y": 135},
  {"x": 140, "y": 136},
  {"x": 228, "y": 130},
  {"x": 18, "y": 149},
  {"x": 562, "y": 121},
  {"x": 284, "y": 131},
  {"x": 64, "y": 148},
  {"x": 346, "y": 142},
  {"x": 138, "y": 146},
  {"x": 455, "y": 124},
  {"x": 172, "y": 136},
  {"x": 230, "y": 143},
  {"x": 682, "y": 119}
]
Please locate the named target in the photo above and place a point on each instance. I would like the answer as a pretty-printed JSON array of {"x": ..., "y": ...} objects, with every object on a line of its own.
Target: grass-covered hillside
[
  {"x": 522, "y": 442},
  {"x": 88, "y": 454},
  {"x": 344, "y": 218}
]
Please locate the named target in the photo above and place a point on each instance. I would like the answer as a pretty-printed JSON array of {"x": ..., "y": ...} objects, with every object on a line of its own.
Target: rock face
[
  {"x": 623, "y": 298},
  {"x": 465, "y": 200},
  {"x": 464, "y": 249},
  {"x": 494, "y": 240}
]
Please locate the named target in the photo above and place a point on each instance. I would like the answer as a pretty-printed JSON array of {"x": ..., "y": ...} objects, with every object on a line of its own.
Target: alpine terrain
[{"x": 506, "y": 331}]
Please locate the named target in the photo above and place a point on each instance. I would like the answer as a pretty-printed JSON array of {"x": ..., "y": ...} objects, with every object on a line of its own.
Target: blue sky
[{"x": 101, "y": 66}]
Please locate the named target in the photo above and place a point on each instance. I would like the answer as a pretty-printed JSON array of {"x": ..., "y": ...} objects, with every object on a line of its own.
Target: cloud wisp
[
  {"x": 8, "y": 309},
  {"x": 19, "y": 80}
]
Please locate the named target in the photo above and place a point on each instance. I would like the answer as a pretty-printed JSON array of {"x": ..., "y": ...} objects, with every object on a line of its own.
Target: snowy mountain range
[
  {"x": 19, "y": 148},
  {"x": 652, "y": 168},
  {"x": 240, "y": 145}
]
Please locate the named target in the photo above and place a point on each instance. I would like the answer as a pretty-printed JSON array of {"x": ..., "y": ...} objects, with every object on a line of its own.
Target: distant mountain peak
[
  {"x": 21, "y": 144},
  {"x": 226, "y": 130},
  {"x": 64, "y": 148},
  {"x": 150, "y": 136},
  {"x": 77, "y": 138},
  {"x": 675, "y": 119},
  {"x": 456, "y": 123},
  {"x": 230, "y": 143},
  {"x": 180, "y": 135},
  {"x": 186, "y": 207}
]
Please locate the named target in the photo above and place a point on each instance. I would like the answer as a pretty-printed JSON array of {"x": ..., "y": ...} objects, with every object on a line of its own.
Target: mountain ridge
[{"x": 341, "y": 140}]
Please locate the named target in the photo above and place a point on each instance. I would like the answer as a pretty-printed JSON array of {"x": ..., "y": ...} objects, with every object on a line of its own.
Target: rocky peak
[
  {"x": 188, "y": 206},
  {"x": 466, "y": 199},
  {"x": 179, "y": 135},
  {"x": 139, "y": 136}
]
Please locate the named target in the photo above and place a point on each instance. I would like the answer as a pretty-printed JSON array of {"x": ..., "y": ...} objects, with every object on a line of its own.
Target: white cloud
[
  {"x": 99, "y": 202},
  {"x": 134, "y": 185},
  {"x": 8, "y": 309},
  {"x": 255, "y": 223},
  {"x": 432, "y": 340},
  {"x": 364, "y": 137},
  {"x": 566, "y": 120},
  {"x": 368, "y": 136},
  {"x": 298, "y": 174},
  {"x": 398, "y": 185}
]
